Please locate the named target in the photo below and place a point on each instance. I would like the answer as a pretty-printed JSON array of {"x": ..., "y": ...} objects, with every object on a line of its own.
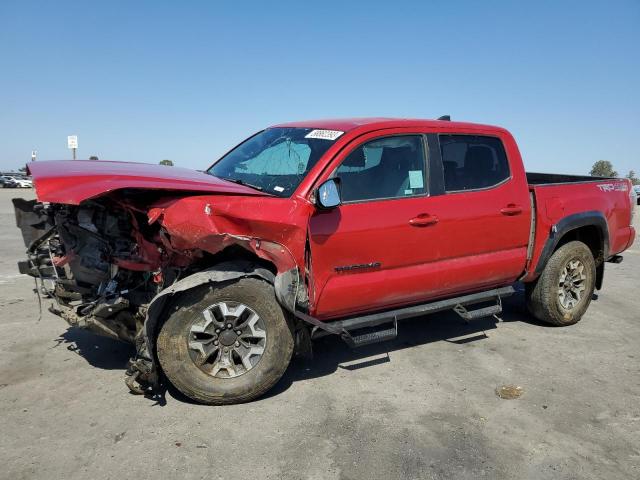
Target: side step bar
[
  {"x": 377, "y": 336},
  {"x": 457, "y": 304},
  {"x": 480, "y": 312}
]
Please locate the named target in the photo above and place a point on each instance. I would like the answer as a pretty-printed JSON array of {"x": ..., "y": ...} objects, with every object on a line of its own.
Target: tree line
[
  {"x": 604, "y": 168},
  {"x": 166, "y": 162}
]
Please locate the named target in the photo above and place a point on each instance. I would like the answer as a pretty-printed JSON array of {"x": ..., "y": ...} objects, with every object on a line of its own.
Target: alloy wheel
[{"x": 228, "y": 340}]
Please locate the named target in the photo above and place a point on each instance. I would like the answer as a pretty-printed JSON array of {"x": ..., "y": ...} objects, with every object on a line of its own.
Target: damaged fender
[{"x": 143, "y": 369}]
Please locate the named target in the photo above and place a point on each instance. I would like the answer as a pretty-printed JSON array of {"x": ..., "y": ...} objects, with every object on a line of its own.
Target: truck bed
[
  {"x": 559, "y": 199},
  {"x": 535, "y": 178}
]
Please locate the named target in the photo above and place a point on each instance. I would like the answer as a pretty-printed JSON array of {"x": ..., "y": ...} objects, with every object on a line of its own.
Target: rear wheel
[
  {"x": 228, "y": 345},
  {"x": 562, "y": 294}
]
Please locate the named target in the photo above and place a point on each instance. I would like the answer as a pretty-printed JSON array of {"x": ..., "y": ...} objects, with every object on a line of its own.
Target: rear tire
[
  {"x": 562, "y": 294},
  {"x": 255, "y": 359}
]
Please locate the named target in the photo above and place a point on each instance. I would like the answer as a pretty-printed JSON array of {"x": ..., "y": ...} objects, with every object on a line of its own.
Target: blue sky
[{"x": 143, "y": 81}]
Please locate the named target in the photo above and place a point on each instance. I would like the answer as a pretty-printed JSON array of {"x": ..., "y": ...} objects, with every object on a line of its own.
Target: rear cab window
[{"x": 472, "y": 162}]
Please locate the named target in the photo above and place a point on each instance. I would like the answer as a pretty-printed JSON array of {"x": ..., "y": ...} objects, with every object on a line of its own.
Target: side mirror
[{"x": 328, "y": 195}]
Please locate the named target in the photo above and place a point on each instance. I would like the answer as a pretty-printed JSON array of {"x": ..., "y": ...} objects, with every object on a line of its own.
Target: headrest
[
  {"x": 396, "y": 156},
  {"x": 479, "y": 158},
  {"x": 355, "y": 159},
  {"x": 449, "y": 165}
]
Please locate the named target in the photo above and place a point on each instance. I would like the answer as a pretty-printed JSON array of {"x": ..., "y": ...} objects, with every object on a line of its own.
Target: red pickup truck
[{"x": 308, "y": 229}]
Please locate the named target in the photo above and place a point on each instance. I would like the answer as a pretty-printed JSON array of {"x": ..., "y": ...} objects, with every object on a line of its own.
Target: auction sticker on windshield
[{"x": 324, "y": 134}]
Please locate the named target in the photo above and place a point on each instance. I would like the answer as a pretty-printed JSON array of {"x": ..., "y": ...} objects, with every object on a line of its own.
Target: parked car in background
[
  {"x": 308, "y": 229},
  {"x": 16, "y": 182},
  {"x": 8, "y": 182},
  {"x": 23, "y": 182},
  {"x": 636, "y": 189}
]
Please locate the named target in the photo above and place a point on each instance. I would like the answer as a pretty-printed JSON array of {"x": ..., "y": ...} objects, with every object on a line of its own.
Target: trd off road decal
[{"x": 613, "y": 187}]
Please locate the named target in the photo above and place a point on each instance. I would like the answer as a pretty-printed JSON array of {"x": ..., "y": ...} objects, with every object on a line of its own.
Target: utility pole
[{"x": 72, "y": 143}]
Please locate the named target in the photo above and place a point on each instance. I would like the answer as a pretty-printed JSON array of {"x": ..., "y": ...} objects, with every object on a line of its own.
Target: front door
[{"x": 368, "y": 252}]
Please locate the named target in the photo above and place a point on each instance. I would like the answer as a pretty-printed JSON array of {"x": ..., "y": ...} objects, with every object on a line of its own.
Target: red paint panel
[
  {"x": 360, "y": 292},
  {"x": 472, "y": 245},
  {"x": 273, "y": 228},
  {"x": 72, "y": 181}
]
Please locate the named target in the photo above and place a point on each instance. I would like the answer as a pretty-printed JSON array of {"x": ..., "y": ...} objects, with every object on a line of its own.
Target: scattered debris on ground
[{"x": 509, "y": 392}]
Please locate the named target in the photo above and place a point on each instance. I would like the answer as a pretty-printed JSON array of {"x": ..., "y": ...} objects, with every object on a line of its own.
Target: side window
[
  {"x": 390, "y": 167},
  {"x": 472, "y": 161}
]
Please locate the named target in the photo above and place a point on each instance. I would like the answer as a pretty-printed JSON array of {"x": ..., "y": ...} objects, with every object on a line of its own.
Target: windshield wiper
[{"x": 242, "y": 182}]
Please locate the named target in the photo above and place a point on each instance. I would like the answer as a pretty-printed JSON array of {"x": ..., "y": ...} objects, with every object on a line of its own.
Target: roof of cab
[{"x": 374, "y": 123}]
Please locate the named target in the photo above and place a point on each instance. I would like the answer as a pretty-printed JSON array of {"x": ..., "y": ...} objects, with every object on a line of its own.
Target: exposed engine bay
[{"x": 100, "y": 261}]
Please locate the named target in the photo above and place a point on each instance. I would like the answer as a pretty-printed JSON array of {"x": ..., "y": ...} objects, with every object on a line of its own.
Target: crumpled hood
[{"x": 72, "y": 181}]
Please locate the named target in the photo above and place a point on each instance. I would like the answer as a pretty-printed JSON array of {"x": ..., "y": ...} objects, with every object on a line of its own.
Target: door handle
[
  {"x": 511, "y": 209},
  {"x": 423, "y": 220}
]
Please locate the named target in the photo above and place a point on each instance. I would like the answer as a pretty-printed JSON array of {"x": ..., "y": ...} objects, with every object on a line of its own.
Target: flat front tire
[
  {"x": 226, "y": 344},
  {"x": 563, "y": 292}
]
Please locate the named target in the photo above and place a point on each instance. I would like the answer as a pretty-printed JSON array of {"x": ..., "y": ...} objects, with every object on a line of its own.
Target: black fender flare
[
  {"x": 222, "y": 272},
  {"x": 573, "y": 222},
  {"x": 143, "y": 369}
]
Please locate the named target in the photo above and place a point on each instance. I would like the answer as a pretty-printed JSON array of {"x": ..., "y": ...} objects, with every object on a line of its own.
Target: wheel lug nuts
[
  {"x": 229, "y": 325},
  {"x": 217, "y": 330},
  {"x": 238, "y": 332},
  {"x": 215, "y": 342},
  {"x": 226, "y": 350},
  {"x": 237, "y": 344}
]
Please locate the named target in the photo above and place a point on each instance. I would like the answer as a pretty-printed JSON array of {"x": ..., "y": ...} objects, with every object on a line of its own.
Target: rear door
[{"x": 483, "y": 213}]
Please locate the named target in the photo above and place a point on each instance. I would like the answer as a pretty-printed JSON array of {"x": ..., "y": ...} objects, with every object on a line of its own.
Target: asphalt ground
[{"x": 423, "y": 406}]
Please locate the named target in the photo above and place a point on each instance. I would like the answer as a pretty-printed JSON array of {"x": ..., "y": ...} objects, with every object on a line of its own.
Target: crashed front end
[
  {"x": 90, "y": 260},
  {"x": 111, "y": 263},
  {"x": 100, "y": 262}
]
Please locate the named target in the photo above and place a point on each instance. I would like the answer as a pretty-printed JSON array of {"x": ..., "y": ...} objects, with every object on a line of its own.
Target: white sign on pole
[{"x": 72, "y": 141}]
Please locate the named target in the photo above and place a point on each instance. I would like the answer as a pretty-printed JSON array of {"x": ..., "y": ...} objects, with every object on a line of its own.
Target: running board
[
  {"x": 376, "y": 319},
  {"x": 377, "y": 336},
  {"x": 479, "y": 312}
]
